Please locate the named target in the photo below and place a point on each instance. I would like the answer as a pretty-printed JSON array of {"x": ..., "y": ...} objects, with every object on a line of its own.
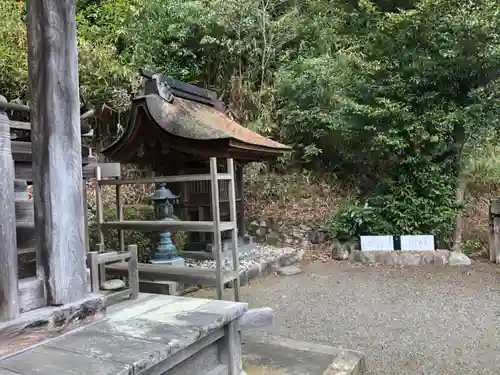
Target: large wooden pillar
[
  {"x": 9, "y": 289},
  {"x": 56, "y": 147}
]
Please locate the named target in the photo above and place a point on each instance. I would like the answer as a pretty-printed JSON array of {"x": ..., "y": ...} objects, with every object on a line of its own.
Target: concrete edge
[
  {"x": 267, "y": 266},
  {"x": 347, "y": 362},
  {"x": 264, "y": 268}
]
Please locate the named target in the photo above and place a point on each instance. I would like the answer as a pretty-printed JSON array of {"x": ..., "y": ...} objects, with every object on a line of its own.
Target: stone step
[{"x": 268, "y": 355}]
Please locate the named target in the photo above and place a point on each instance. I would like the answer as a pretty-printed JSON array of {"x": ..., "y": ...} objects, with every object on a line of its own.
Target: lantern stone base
[{"x": 170, "y": 262}]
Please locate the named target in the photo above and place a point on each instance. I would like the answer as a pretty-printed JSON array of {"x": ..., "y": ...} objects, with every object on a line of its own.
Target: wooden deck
[{"x": 152, "y": 335}]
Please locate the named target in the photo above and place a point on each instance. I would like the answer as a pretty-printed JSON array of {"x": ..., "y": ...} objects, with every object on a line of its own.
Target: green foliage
[
  {"x": 355, "y": 219},
  {"x": 13, "y": 46},
  {"x": 144, "y": 241},
  {"x": 397, "y": 95}
]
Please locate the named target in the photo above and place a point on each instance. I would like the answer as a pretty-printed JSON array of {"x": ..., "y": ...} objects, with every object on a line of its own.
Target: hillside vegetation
[{"x": 391, "y": 104}]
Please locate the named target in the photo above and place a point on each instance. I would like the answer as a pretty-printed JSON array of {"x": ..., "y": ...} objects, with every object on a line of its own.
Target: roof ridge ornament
[{"x": 163, "y": 89}]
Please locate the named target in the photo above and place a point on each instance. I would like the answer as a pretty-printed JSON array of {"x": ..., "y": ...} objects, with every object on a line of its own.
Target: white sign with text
[
  {"x": 417, "y": 243},
  {"x": 377, "y": 243}
]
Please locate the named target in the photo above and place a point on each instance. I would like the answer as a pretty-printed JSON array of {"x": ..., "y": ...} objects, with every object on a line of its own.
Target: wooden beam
[
  {"x": 240, "y": 184},
  {"x": 234, "y": 232},
  {"x": 168, "y": 179},
  {"x": 163, "y": 272},
  {"x": 9, "y": 293},
  {"x": 56, "y": 147},
  {"x": 31, "y": 294},
  {"x": 217, "y": 240},
  {"x": 174, "y": 225},
  {"x": 22, "y": 152},
  {"x": 108, "y": 170}
]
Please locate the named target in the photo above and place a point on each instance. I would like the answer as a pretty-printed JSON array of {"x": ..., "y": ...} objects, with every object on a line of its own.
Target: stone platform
[
  {"x": 277, "y": 356},
  {"x": 153, "y": 335},
  {"x": 411, "y": 258}
]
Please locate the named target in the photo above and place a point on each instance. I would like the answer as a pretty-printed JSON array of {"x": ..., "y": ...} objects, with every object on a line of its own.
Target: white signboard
[
  {"x": 377, "y": 243},
  {"x": 417, "y": 243}
]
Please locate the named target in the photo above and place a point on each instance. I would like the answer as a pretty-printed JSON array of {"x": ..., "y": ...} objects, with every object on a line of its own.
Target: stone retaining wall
[
  {"x": 282, "y": 234},
  {"x": 411, "y": 258}
]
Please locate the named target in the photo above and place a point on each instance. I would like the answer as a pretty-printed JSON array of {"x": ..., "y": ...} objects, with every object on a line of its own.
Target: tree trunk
[{"x": 458, "y": 232}]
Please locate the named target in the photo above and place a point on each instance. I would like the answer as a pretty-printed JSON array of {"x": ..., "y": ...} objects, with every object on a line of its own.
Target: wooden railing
[{"x": 19, "y": 291}]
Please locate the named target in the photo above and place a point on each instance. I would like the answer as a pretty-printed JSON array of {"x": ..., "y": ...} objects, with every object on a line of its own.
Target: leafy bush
[
  {"x": 403, "y": 206},
  {"x": 145, "y": 241},
  {"x": 353, "y": 219}
]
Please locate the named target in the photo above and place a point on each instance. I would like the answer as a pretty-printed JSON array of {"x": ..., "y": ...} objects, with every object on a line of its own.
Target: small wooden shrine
[
  {"x": 174, "y": 128},
  {"x": 181, "y": 132},
  {"x": 39, "y": 315}
]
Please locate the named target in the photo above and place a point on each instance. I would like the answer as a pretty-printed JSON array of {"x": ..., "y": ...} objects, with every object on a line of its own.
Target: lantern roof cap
[{"x": 163, "y": 194}]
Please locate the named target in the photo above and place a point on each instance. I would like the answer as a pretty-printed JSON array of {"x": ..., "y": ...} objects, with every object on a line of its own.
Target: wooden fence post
[
  {"x": 56, "y": 148},
  {"x": 495, "y": 230},
  {"x": 9, "y": 287}
]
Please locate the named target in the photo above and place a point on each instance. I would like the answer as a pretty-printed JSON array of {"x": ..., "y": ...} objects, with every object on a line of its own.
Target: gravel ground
[{"x": 442, "y": 321}]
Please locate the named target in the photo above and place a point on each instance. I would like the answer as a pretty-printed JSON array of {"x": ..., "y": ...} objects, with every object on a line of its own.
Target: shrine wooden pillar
[
  {"x": 240, "y": 183},
  {"x": 56, "y": 148}
]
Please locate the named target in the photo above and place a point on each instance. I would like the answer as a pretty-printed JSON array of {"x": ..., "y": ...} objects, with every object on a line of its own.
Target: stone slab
[
  {"x": 230, "y": 311},
  {"x": 125, "y": 311},
  {"x": 102, "y": 343},
  {"x": 176, "y": 338},
  {"x": 402, "y": 258},
  {"x": 277, "y": 356},
  {"x": 171, "y": 262},
  {"x": 138, "y": 335},
  {"x": 289, "y": 271},
  {"x": 459, "y": 259},
  {"x": 48, "y": 361},
  {"x": 7, "y": 372}
]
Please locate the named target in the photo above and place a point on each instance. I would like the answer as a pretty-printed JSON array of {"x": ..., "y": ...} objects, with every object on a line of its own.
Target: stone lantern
[{"x": 165, "y": 251}]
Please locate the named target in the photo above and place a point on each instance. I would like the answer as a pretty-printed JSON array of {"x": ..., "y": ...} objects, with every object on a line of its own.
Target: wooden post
[
  {"x": 230, "y": 349},
  {"x": 99, "y": 207},
  {"x": 102, "y": 267},
  {"x": 495, "y": 230},
  {"x": 9, "y": 289},
  {"x": 86, "y": 216},
  {"x": 216, "y": 232},
  {"x": 93, "y": 265},
  {"x": 119, "y": 215},
  {"x": 240, "y": 184},
  {"x": 56, "y": 148},
  {"x": 234, "y": 232},
  {"x": 184, "y": 198},
  {"x": 133, "y": 272}
]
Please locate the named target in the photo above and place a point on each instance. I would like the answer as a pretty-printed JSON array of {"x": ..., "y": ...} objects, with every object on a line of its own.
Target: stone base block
[
  {"x": 273, "y": 355},
  {"x": 171, "y": 262},
  {"x": 161, "y": 287},
  {"x": 410, "y": 258}
]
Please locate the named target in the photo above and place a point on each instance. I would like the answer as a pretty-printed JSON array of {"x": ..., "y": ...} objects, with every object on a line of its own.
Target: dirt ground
[{"x": 408, "y": 321}]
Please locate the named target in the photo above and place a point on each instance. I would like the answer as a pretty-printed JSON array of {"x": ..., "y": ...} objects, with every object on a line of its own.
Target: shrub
[{"x": 145, "y": 241}]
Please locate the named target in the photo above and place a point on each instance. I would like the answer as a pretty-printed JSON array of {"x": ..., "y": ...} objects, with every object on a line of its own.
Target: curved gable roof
[{"x": 187, "y": 121}]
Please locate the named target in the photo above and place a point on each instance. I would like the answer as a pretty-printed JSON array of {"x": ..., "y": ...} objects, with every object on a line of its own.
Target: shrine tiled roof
[{"x": 189, "y": 119}]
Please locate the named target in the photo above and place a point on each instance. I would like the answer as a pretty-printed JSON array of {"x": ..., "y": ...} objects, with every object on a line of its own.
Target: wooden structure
[
  {"x": 25, "y": 264},
  {"x": 174, "y": 128},
  {"x": 494, "y": 239},
  {"x": 154, "y": 335},
  {"x": 97, "y": 262},
  {"x": 31, "y": 343},
  {"x": 187, "y": 275}
]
